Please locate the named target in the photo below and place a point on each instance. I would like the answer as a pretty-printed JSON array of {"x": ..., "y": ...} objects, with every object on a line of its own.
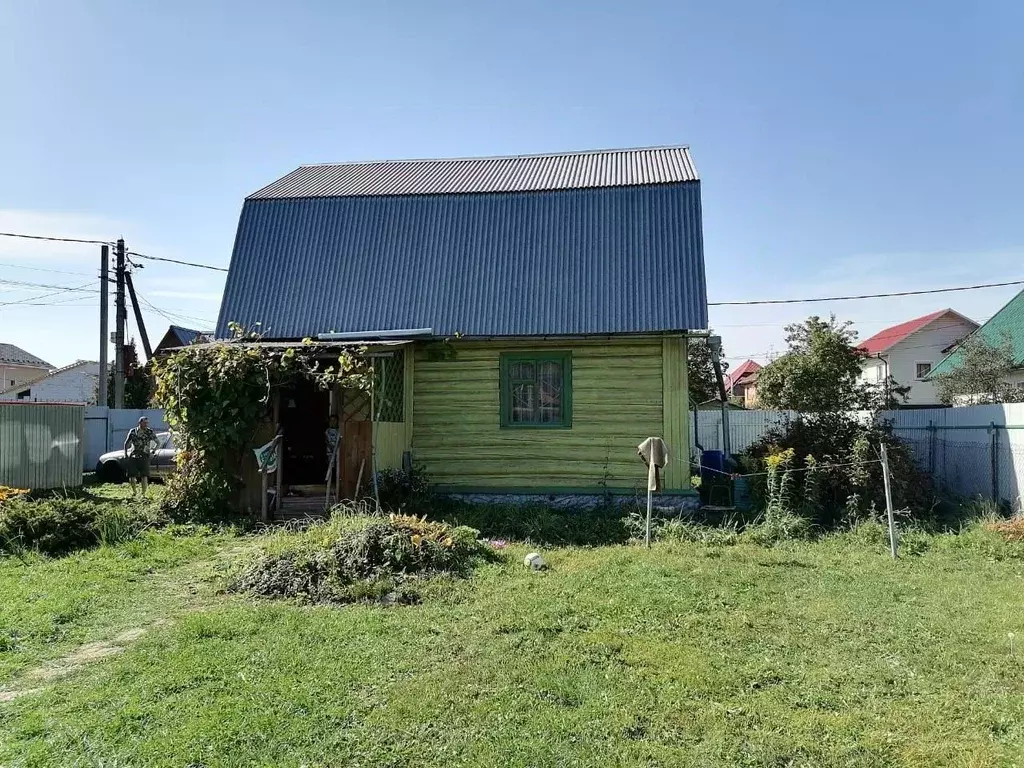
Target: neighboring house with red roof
[
  {"x": 907, "y": 352},
  {"x": 741, "y": 384}
]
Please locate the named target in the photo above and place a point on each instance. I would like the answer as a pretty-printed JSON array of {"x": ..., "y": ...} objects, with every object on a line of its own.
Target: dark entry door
[{"x": 304, "y": 417}]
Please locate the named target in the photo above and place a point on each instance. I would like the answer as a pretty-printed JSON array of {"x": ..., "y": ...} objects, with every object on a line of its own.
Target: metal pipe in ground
[{"x": 888, "y": 501}]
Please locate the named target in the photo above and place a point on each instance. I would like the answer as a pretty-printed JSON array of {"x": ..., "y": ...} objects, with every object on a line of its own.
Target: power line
[
  {"x": 174, "y": 317},
  {"x": 55, "y": 239},
  {"x": 176, "y": 261},
  {"x": 66, "y": 303},
  {"x": 23, "y": 283},
  {"x": 43, "y": 269},
  {"x": 44, "y": 296},
  {"x": 864, "y": 296},
  {"x": 60, "y": 289},
  {"x": 783, "y": 325},
  {"x": 110, "y": 242}
]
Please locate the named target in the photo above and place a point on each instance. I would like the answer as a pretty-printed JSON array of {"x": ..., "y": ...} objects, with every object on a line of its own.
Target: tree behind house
[
  {"x": 138, "y": 381},
  {"x": 703, "y": 384},
  {"x": 820, "y": 372},
  {"x": 981, "y": 374}
]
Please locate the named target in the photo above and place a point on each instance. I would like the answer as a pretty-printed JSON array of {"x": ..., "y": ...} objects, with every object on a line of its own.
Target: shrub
[
  {"x": 539, "y": 524},
  {"x": 404, "y": 488},
  {"x": 377, "y": 562},
  {"x": 217, "y": 398},
  {"x": 830, "y": 495},
  {"x": 52, "y": 526},
  {"x": 685, "y": 531},
  {"x": 58, "y": 525},
  {"x": 779, "y": 526}
]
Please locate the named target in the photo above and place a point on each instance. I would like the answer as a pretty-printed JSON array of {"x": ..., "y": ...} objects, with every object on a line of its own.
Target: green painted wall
[
  {"x": 619, "y": 387},
  {"x": 389, "y": 444}
]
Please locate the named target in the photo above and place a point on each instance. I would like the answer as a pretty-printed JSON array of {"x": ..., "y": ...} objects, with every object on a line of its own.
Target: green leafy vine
[{"x": 218, "y": 396}]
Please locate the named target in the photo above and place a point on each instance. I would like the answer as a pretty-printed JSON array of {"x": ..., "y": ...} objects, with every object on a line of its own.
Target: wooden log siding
[{"x": 618, "y": 392}]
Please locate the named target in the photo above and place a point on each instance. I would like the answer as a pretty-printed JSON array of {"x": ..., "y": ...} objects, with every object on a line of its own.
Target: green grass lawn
[{"x": 824, "y": 653}]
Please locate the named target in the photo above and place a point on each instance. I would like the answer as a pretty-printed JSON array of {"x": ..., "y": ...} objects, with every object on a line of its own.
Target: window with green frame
[{"x": 536, "y": 389}]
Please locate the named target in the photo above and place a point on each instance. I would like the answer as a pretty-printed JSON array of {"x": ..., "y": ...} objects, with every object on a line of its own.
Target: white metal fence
[
  {"x": 972, "y": 451},
  {"x": 107, "y": 428},
  {"x": 745, "y": 428}
]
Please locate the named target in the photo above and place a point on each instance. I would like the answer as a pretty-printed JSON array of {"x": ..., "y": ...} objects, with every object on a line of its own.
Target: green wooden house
[{"x": 528, "y": 316}]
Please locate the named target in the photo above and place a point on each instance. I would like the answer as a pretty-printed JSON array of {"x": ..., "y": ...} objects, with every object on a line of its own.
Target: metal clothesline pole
[{"x": 888, "y": 501}]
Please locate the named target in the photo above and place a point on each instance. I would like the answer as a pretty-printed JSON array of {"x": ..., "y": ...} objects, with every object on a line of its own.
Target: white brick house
[{"x": 75, "y": 383}]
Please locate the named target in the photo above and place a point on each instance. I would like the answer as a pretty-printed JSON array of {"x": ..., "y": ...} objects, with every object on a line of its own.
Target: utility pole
[
  {"x": 101, "y": 397},
  {"x": 715, "y": 345},
  {"x": 138, "y": 316},
  {"x": 120, "y": 319}
]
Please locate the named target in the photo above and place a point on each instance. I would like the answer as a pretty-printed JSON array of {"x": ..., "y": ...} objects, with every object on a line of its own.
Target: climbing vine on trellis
[{"x": 217, "y": 397}]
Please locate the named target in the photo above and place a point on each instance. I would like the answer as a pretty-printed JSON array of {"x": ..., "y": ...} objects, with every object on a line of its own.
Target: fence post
[
  {"x": 931, "y": 447},
  {"x": 995, "y": 461},
  {"x": 888, "y": 500}
]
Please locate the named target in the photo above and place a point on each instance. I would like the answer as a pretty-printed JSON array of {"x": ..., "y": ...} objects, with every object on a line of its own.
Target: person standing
[{"x": 138, "y": 451}]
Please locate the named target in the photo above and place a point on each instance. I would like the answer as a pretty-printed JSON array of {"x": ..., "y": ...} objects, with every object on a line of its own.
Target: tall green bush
[{"x": 832, "y": 494}]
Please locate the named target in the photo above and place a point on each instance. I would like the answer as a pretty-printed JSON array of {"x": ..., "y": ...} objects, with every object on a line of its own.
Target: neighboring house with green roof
[{"x": 1005, "y": 325}]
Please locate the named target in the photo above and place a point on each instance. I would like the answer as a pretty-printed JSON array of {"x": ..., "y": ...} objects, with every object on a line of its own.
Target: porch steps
[{"x": 303, "y": 502}]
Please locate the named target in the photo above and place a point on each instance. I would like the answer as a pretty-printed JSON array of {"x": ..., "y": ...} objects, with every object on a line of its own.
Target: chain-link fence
[
  {"x": 983, "y": 461},
  {"x": 976, "y": 451}
]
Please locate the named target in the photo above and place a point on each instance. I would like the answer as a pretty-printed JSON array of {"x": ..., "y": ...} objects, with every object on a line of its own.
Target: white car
[{"x": 110, "y": 467}]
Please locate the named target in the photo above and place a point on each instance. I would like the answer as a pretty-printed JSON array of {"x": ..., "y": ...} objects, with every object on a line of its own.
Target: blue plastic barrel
[
  {"x": 714, "y": 461},
  {"x": 712, "y": 466},
  {"x": 741, "y": 494}
]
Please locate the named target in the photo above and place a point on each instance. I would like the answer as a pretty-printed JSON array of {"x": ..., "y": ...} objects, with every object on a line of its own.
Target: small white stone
[{"x": 535, "y": 561}]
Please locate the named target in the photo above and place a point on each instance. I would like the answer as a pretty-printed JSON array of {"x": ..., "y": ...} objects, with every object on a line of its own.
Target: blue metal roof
[
  {"x": 185, "y": 335},
  {"x": 607, "y": 260}
]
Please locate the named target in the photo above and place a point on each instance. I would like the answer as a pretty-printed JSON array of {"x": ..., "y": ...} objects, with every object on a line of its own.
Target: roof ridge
[
  {"x": 583, "y": 169},
  {"x": 888, "y": 337},
  {"x": 26, "y": 359},
  {"x": 471, "y": 158},
  {"x": 53, "y": 372}
]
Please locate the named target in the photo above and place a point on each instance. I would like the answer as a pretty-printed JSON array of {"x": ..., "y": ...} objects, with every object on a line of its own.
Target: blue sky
[{"x": 870, "y": 147}]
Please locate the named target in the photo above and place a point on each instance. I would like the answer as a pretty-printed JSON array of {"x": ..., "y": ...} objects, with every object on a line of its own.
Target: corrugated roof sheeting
[
  {"x": 186, "y": 335},
  {"x": 41, "y": 445},
  {"x": 531, "y": 173},
  {"x": 1005, "y": 326},
  {"x": 593, "y": 261},
  {"x": 18, "y": 356}
]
